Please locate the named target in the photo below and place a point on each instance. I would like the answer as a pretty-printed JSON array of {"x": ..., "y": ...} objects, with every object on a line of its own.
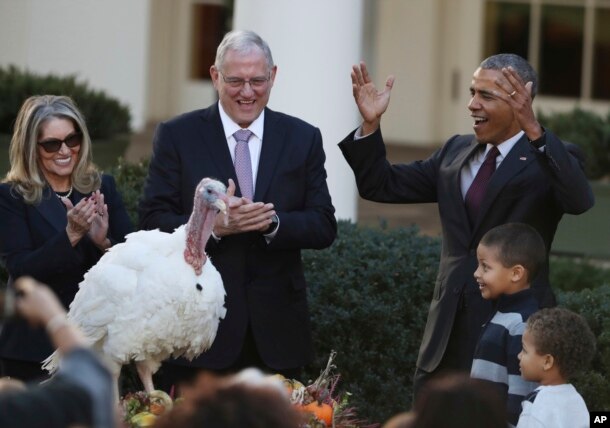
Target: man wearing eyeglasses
[{"x": 274, "y": 163}]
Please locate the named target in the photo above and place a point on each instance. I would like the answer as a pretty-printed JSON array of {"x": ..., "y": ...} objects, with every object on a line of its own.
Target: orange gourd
[{"x": 321, "y": 411}]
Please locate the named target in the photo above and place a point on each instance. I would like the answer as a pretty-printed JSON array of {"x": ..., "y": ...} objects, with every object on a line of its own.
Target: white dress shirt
[
  {"x": 254, "y": 145},
  {"x": 470, "y": 169}
]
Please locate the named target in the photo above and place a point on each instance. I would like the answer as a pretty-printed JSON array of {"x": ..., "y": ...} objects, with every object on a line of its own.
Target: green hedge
[
  {"x": 570, "y": 274},
  {"x": 105, "y": 116},
  {"x": 594, "y": 305},
  {"x": 589, "y": 131},
  {"x": 130, "y": 182},
  {"x": 369, "y": 295}
]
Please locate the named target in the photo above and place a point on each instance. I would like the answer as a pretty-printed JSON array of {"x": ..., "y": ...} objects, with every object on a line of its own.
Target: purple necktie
[
  {"x": 243, "y": 165},
  {"x": 476, "y": 192}
]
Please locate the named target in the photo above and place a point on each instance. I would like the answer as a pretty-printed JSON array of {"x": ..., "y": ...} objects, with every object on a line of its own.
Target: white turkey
[{"x": 156, "y": 295}]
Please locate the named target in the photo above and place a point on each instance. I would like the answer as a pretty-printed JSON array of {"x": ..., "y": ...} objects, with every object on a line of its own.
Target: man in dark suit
[
  {"x": 530, "y": 177},
  {"x": 284, "y": 207}
]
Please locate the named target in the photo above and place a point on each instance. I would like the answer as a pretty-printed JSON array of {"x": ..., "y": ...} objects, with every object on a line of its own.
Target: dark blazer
[
  {"x": 33, "y": 241},
  {"x": 529, "y": 186},
  {"x": 265, "y": 283}
]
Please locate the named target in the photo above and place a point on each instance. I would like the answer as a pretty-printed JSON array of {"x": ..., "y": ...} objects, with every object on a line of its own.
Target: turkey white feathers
[{"x": 156, "y": 295}]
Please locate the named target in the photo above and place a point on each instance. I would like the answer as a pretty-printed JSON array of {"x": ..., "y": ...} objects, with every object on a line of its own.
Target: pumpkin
[
  {"x": 160, "y": 402},
  {"x": 289, "y": 384},
  {"x": 143, "y": 419},
  {"x": 321, "y": 411}
]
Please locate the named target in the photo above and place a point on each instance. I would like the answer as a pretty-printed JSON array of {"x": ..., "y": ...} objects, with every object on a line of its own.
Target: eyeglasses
[
  {"x": 53, "y": 145},
  {"x": 238, "y": 82}
]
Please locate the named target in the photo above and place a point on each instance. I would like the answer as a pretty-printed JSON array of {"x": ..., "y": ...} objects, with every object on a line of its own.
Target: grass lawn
[{"x": 105, "y": 152}]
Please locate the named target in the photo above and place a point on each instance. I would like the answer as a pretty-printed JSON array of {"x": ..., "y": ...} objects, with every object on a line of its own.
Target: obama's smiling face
[{"x": 494, "y": 119}]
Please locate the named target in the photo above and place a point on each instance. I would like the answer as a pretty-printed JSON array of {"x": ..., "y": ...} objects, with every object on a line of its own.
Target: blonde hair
[{"x": 25, "y": 174}]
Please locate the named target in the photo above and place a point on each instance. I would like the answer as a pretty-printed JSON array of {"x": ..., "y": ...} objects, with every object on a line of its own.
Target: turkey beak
[{"x": 221, "y": 204}]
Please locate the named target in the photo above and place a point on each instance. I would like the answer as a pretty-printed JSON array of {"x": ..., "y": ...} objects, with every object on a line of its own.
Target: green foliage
[
  {"x": 130, "y": 183},
  {"x": 594, "y": 305},
  {"x": 369, "y": 295},
  {"x": 105, "y": 115},
  {"x": 574, "y": 275},
  {"x": 107, "y": 153},
  {"x": 589, "y": 131}
]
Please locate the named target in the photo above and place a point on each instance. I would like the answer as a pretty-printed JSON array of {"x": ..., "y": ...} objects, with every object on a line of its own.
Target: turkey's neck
[{"x": 198, "y": 231}]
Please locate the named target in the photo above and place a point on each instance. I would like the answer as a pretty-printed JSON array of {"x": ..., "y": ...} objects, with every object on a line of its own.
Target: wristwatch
[
  {"x": 275, "y": 221},
  {"x": 540, "y": 141}
]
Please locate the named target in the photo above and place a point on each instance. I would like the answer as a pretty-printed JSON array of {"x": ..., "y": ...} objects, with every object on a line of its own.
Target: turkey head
[{"x": 210, "y": 199}]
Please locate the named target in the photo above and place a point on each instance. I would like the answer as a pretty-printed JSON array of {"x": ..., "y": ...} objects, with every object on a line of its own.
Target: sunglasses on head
[{"x": 53, "y": 145}]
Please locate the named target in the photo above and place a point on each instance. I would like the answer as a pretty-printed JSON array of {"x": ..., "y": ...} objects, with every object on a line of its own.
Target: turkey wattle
[{"x": 156, "y": 295}]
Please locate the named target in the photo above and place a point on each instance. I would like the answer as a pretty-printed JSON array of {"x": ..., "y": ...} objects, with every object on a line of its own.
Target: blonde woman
[{"x": 57, "y": 216}]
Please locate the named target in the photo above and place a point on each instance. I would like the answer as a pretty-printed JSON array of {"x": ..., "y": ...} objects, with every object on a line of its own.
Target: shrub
[
  {"x": 105, "y": 115},
  {"x": 130, "y": 183},
  {"x": 369, "y": 295},
  {"x": 589, "y": 131},
  {"x": 574, "y": 275},
  {"x": 594, "y": 305}
]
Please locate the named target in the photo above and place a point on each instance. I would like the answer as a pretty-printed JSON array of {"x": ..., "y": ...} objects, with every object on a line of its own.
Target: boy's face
[
  {"x": 531, "y": 362},
  {"x": 493, "y": 277}
]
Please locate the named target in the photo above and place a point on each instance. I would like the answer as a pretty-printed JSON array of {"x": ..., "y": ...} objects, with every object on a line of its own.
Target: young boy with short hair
[
  {"x": 510, "y": 257},
  {"x": 557, "y": 343}
]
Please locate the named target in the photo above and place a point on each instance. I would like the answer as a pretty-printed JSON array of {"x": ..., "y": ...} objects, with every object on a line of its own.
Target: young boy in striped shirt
[{"x": 509, "y": 258}]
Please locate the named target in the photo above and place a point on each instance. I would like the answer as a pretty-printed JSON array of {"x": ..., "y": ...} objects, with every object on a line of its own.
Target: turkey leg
[{"x": 145, "y": 374}]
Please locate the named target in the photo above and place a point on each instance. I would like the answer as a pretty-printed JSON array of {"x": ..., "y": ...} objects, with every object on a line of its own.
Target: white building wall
[
  {"x": 407, "y": 38},
  {"x": 138, "y": 51},
  {"x": 104, "y": 43},
  {"x": 314, "y": 44},
  {"x": 171, "y": 90},
  {"x": 458, "y": 56},
  {"x": 432, "y": 47}
]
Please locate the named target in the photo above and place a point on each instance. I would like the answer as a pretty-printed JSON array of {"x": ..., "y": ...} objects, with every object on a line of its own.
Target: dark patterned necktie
[
  {"x": 476, "y": 192},
  {"x": 243, "y": 165}
]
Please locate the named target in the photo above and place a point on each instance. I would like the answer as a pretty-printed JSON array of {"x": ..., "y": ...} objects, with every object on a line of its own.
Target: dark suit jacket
[
  {"x": 33, "y": 241},
  {"x": 265, "y": 283},
  {"x": 529, "y": 186}
]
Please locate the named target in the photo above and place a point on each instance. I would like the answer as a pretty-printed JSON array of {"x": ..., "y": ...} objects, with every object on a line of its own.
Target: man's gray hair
[
  {"x": 241, "y": 42},
  {"x": 519, "y": 64}
]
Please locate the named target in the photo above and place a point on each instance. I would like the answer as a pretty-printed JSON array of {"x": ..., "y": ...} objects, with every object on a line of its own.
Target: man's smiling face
[
  {"x": 494, "y": 120},
  {"x": 245, "y": 102}
]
